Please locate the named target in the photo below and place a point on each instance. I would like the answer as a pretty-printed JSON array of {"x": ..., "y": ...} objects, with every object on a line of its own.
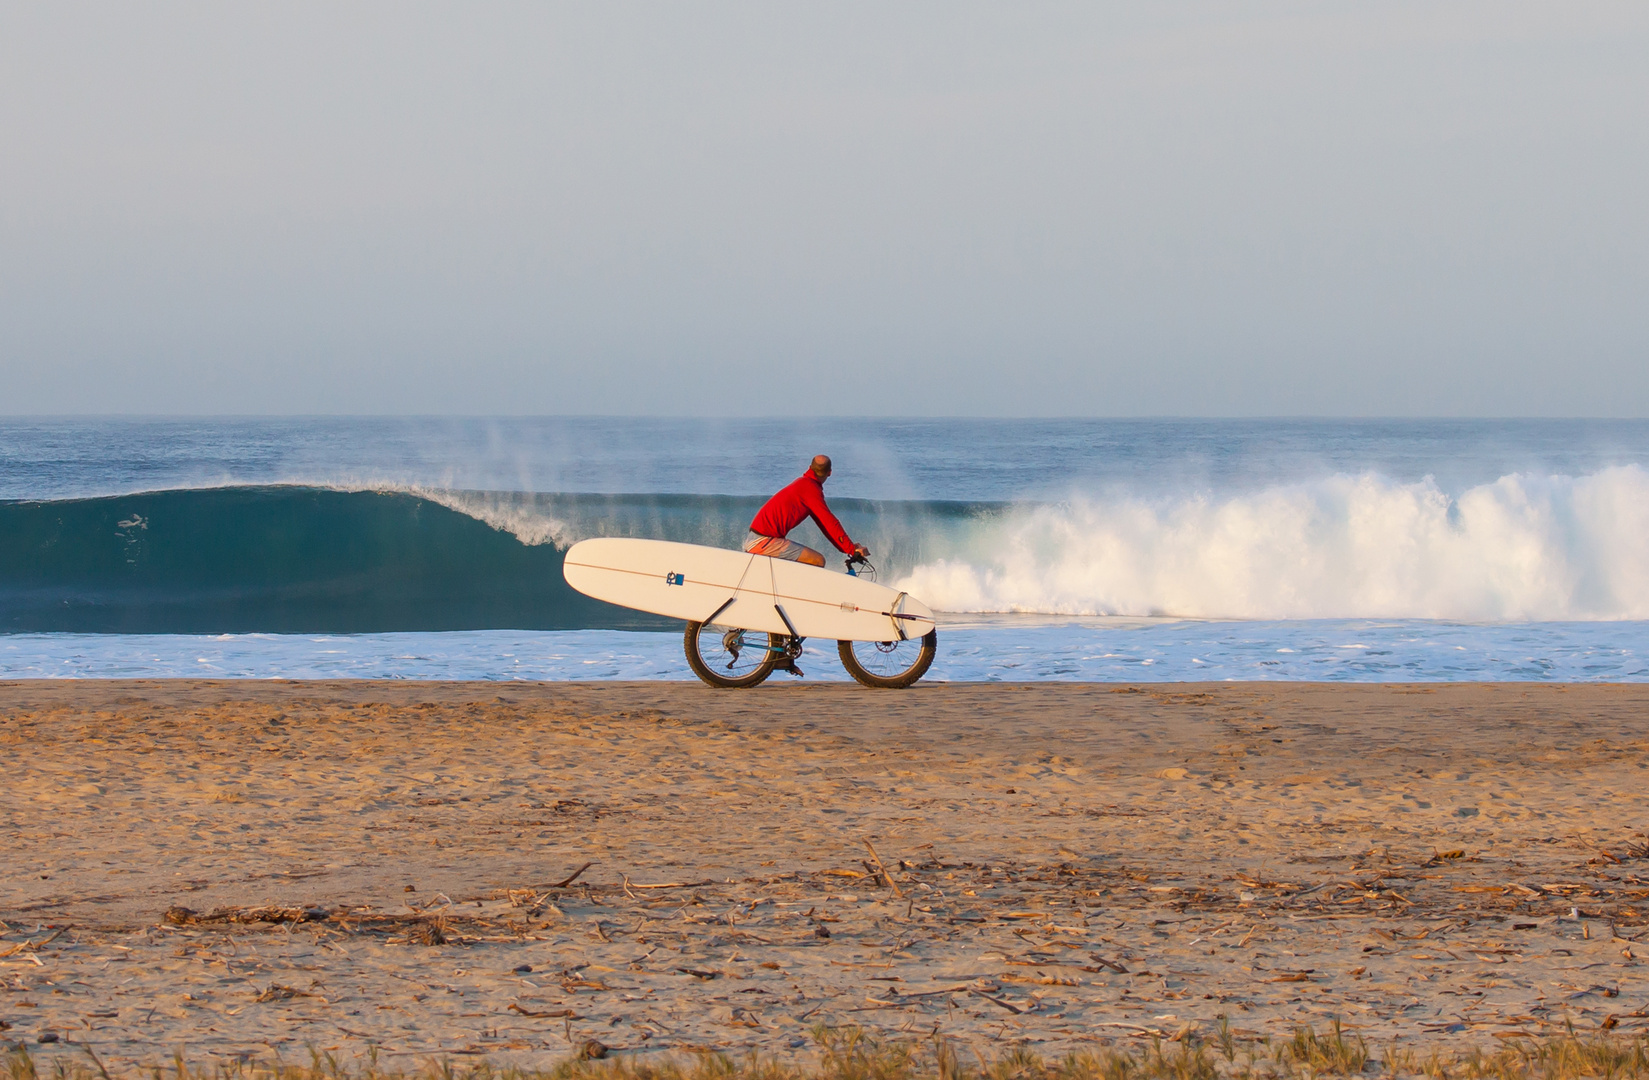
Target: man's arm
[{"x": 813, "y": 499}]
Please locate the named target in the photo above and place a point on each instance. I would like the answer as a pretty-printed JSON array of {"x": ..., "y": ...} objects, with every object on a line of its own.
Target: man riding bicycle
[{"x": 800, "y": 500}]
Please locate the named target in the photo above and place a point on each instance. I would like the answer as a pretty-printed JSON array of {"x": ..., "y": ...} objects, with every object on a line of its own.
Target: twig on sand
[
  {"x": 962, "y": 989},
  {"x": 34, "y": 946},
  {"x": 1131, "y": 1027},
  {"x": 996, "y": 1001},
  {"x": 514, "y": 1008},
  {"x": 887, "y": 877},
  {"x": 572, "y": 877}
]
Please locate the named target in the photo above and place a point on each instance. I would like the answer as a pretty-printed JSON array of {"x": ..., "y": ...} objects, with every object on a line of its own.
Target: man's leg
[{"x": 777, "y": 547}]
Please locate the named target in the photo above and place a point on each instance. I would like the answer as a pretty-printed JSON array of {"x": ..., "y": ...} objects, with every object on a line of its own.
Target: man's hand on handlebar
[{"x": 860, "y": 559}]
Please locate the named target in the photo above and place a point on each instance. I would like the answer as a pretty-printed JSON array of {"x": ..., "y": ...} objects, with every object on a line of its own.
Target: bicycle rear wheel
[
  {"x": 727, "y": 657},
  {"x": 889, "y": 665}
]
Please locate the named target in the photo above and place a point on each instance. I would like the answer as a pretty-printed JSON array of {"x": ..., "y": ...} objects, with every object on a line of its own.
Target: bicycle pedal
[{"x": 794, "y": 670}]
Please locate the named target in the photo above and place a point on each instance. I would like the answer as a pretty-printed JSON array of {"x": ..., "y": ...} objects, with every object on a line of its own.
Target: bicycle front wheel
[
  {"x": 889, "y": 665},
  {"x": 727, "y": 657}
]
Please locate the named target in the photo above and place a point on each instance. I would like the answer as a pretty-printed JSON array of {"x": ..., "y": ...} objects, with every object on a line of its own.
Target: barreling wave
[
  {"x": 297, "y": 558},
  {"x": 278, "y": 559},
  {"x": 375, "y": 559}
]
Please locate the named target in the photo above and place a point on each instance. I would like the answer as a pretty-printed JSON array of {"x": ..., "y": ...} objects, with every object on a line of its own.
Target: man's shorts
[{"x": 776, "y": 547}]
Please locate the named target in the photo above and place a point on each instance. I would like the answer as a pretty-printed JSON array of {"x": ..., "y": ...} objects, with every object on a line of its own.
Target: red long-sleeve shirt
[{"x": 796, "y": 503}]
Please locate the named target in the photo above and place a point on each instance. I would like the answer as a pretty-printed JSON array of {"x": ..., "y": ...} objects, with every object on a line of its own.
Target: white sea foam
[{"x": 1524, "y": 548}]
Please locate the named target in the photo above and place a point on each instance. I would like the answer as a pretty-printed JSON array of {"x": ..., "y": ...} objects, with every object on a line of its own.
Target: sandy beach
[{"x": 236, "y": 868}]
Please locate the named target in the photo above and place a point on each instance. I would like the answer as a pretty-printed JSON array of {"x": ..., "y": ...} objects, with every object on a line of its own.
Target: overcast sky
[{"x": 1094, "y": 209}]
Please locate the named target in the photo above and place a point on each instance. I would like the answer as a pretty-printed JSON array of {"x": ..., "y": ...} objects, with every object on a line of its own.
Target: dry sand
[{"x": 1073, "y": 863}]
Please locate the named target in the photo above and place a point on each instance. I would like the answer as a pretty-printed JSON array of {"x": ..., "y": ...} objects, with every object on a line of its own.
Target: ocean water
[{"x": 1154, "y": 549}]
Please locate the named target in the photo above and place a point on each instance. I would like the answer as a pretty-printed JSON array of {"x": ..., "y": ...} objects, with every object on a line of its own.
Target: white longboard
[{"x": 735, "y": 588}]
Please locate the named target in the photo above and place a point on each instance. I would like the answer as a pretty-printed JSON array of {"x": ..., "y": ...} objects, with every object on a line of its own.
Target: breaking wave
[{"x": 1525, "y": 548}]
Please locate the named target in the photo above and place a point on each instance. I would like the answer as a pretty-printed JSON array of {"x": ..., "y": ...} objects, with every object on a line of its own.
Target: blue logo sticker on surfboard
[{"x": 675, "y": 579}]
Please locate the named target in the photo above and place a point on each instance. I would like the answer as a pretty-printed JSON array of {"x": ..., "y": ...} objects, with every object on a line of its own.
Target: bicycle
[{"x": 729, "y": 657}]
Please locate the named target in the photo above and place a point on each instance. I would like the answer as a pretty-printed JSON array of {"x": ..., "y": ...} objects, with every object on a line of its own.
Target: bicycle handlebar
[{"x": 862, "y": 562}]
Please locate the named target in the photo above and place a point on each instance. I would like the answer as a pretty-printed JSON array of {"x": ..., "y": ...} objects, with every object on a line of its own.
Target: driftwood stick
[
  {"x": 962, "y": 989},
  {"x": 572, "y": 877},
  {"x": 995, "y": 1000},
  {"x": 887, "y": 877},
  {"x": 558, "y": 1013},
  {"x": 34, "y": 946}
]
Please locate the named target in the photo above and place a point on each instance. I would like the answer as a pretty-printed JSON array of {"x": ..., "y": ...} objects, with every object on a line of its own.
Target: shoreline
[
  {"x": 1422, "y": 861},
  {"x": 1011, "y": 649}
]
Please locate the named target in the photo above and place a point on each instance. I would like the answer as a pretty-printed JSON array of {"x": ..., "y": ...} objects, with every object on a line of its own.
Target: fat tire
[
  {"x": 690, "y": 643},
  {"x": 924, "y": 660}
]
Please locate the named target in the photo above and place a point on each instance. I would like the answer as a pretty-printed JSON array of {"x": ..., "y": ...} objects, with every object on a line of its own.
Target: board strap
[
  {"x": 787, "y": 623},
  {"x": 725, "y": 605}
]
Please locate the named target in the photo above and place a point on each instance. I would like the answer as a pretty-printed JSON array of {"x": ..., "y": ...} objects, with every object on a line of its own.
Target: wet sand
[{"x": 1065, "y": 865}]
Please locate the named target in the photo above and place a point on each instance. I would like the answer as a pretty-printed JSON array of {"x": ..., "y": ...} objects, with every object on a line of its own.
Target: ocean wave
[
  {"x": 280, "y": 559},
  {"x": 1524, "y": 548},
  {"x": 389, "y": 558}
]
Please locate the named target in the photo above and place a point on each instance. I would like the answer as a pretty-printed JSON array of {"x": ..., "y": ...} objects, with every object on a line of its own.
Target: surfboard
[{"x": 735, "y": 588}]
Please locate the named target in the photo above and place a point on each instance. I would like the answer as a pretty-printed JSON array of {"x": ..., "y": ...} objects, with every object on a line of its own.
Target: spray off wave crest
[
  {"x": 1524, "y": 548},
  {"x": 506, "y": 512}
]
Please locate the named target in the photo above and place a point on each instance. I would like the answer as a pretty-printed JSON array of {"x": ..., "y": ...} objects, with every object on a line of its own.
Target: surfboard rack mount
[{"x": 724, "y": 606}]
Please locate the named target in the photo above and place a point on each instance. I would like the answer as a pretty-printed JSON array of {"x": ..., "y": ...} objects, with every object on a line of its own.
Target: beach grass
[{"x": 851, "y": 1054}]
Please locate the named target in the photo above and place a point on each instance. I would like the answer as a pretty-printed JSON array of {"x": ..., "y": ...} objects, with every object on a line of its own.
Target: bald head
[{"x": 820, "y": 467}]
